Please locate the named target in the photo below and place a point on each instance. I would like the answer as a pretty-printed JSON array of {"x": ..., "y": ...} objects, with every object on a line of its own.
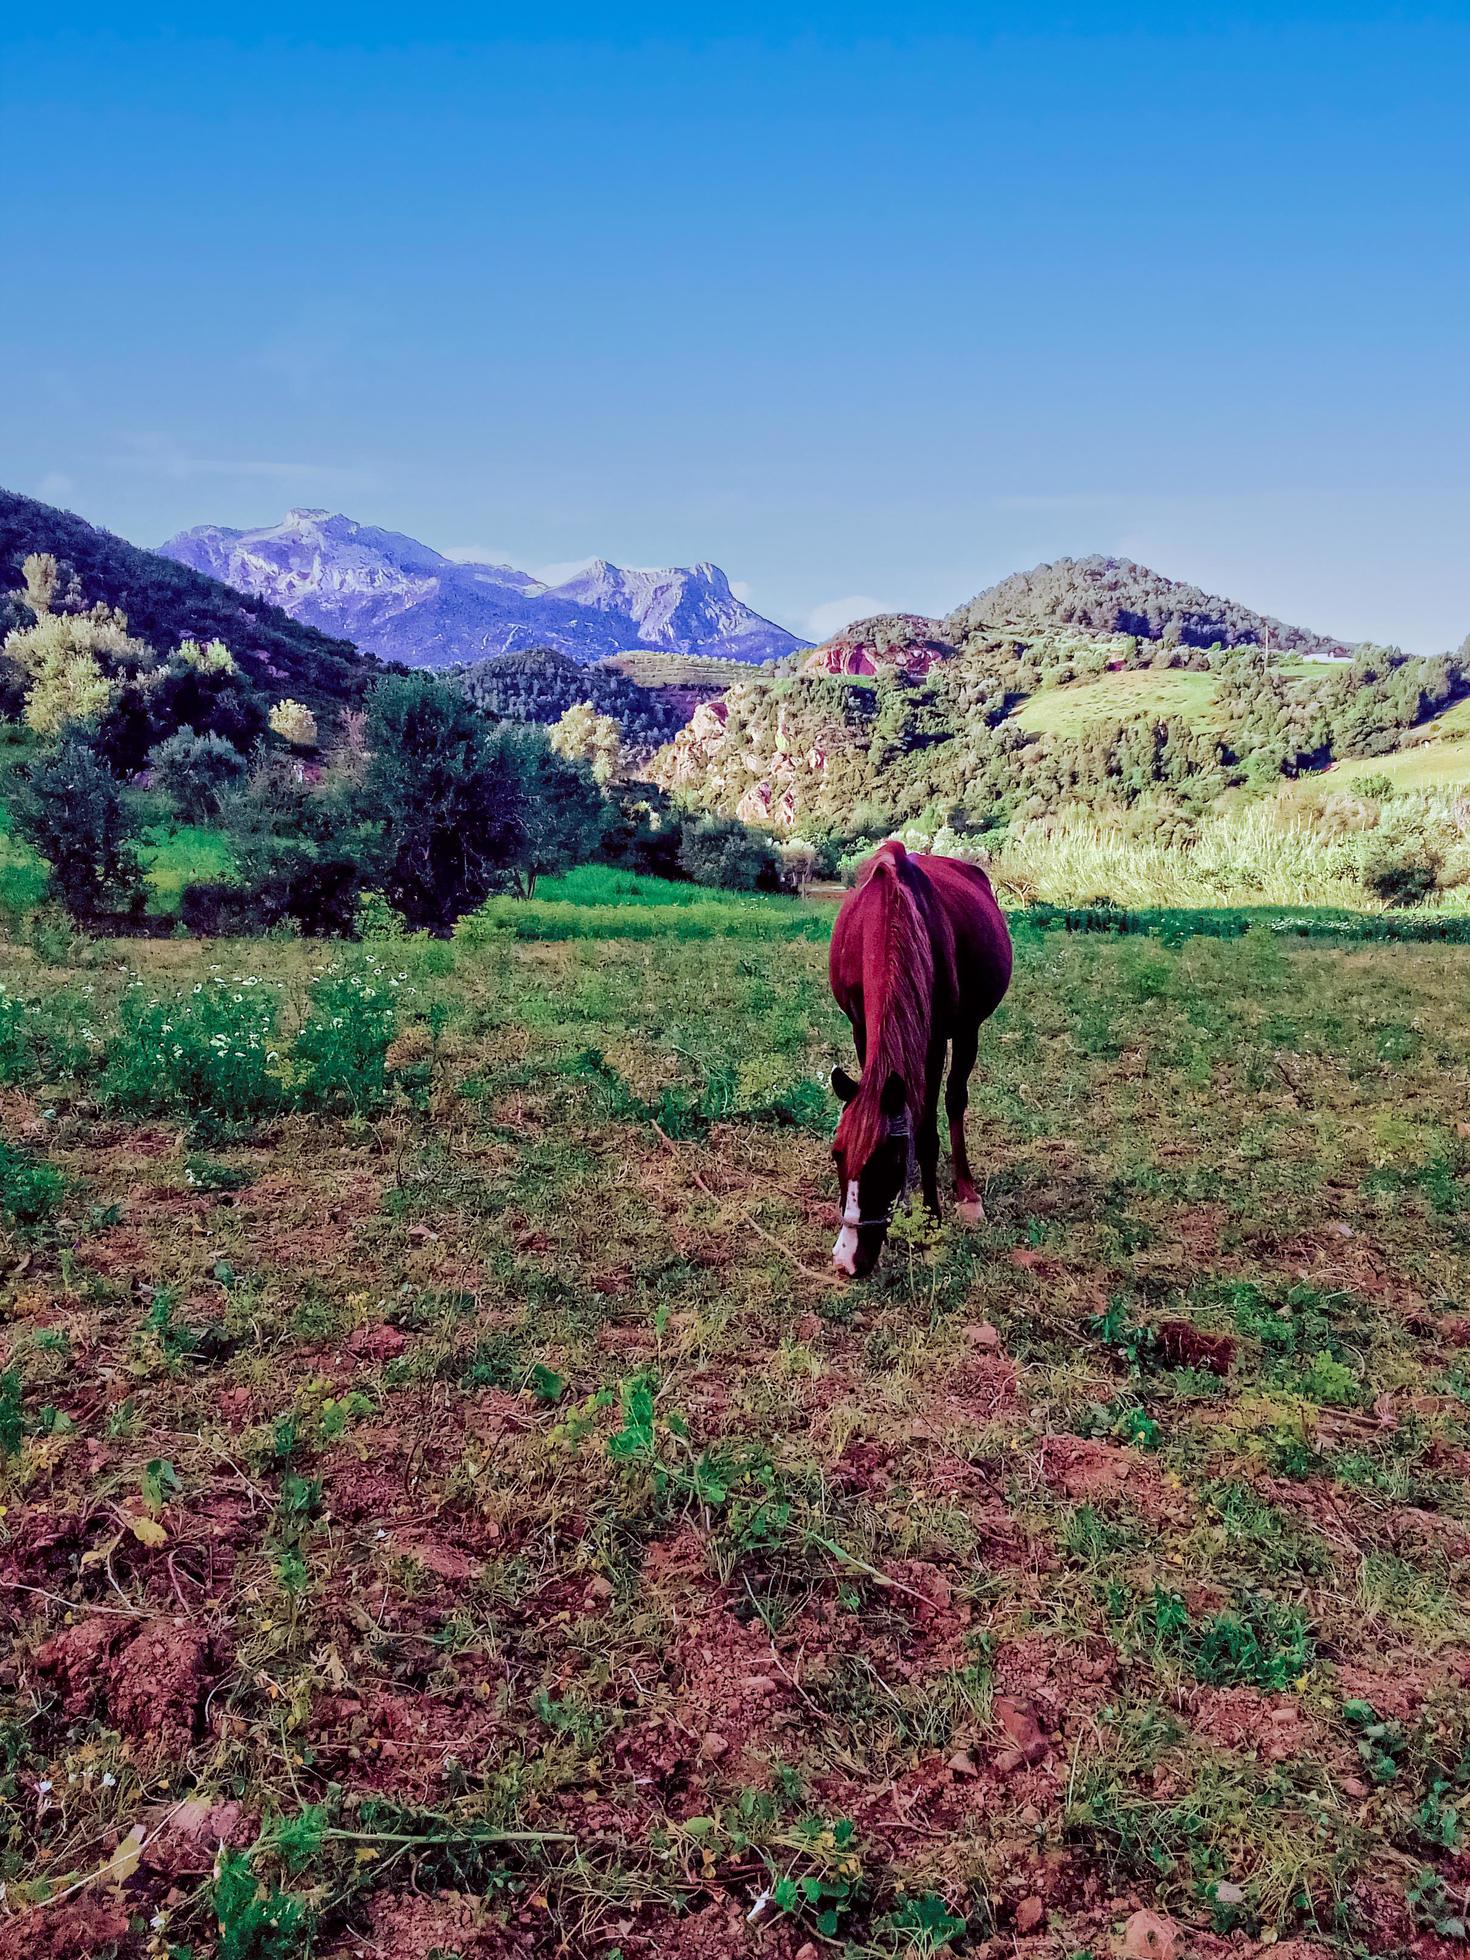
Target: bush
[
  {"x": 339, "y": 1055},
  {"x": 312, "y": 887},
  {"x": 722, "y": 851},
  {"x": 70, "y": 808},
  {"x": 1402, "y": 868},
  {"x": 194, "y": 772},
  {"x": 294, "y": 723},
  {"x": 210, "y": 1049}
]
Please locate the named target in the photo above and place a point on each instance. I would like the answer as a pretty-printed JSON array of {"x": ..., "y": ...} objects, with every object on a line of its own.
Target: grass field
[
  {"x": 701, "y": 670},
  {"x": 449, "y": 1509},
  {"x": 1433, "y": 764},
  {"x": 1125, "y": 696}
]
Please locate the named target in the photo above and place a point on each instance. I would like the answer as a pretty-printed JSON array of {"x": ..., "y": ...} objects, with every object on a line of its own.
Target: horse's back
[
  {"x": 982, "y": 940},
  {"x": 971, "y": 919}
]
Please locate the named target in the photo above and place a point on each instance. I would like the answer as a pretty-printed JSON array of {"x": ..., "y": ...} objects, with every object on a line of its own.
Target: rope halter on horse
[{"x": 852, "y": 1215}]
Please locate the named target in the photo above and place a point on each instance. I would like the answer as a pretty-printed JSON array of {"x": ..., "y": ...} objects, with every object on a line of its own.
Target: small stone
[
  {"x": 982, "y": 1336},
  {"x": 963, "y": 1763},
  {"x": 1150, "y": 1936},
  {"x": 1029, "y": 1914},
  {"x": 712, "y": 1747},
  {"x": 1228, "y": 1893}
]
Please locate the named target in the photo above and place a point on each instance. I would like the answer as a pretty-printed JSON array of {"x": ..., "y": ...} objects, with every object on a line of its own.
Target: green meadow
[{"x": 449, "y": 1507}]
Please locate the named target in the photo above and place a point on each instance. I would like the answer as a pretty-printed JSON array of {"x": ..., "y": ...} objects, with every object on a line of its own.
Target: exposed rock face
[
  {"x": 402, "y": 600},
  {"x": 893, "y": 642},
  {"x": 762, "y": 758}
]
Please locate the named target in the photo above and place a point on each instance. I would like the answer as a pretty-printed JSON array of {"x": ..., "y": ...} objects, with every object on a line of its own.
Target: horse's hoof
[{"x": 969, "y": 1211}]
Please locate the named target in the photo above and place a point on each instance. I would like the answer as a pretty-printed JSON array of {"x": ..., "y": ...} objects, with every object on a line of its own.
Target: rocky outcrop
[
  {"x": 904, "y": 643},
  {"x": 765, "y": 750}
]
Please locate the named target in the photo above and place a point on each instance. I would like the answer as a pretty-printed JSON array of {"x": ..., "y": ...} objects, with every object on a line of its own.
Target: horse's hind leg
[{"x": 956, "y": 1099}]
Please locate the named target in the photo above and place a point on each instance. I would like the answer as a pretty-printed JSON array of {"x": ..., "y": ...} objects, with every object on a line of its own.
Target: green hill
[
  {"x": 541, "y": 684},
  {"x": 1114, "y": 595}
]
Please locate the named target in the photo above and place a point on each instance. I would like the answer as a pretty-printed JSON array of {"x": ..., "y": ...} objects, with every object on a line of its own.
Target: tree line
[{"x": 420, "y": 796}]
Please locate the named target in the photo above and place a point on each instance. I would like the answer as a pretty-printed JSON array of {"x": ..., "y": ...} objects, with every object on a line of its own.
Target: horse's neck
[{"x": 898, "y": 985}]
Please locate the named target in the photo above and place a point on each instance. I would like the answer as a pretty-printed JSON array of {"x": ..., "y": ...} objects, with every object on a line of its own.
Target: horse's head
[{"x": 873, "y": 1151}]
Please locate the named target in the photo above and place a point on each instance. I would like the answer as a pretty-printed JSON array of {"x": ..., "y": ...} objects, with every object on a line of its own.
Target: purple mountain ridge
[{"x": 404, "y": 601}]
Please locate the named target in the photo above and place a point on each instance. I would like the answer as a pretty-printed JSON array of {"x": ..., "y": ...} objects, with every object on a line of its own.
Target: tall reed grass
[{"x": 1276, "y": 852}]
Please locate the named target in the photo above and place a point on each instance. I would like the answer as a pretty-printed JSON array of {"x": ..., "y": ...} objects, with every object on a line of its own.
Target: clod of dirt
[
  {"x": 1181, "y": 1345},
  {"x": 184, "y": 1840},
  {"x": 75, "y": 1930},
  {"x": 1026, "y": 1743},
  {"x": 151, "y": 1682},
  {"x": 1150, "y": 1936},
  {"x": 376, "y": 1344},
  {"x": 1029, "y": 1914}
]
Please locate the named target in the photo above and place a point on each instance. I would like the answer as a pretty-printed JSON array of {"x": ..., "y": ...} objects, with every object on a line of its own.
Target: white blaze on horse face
[{"x": 844, "y": 1253}]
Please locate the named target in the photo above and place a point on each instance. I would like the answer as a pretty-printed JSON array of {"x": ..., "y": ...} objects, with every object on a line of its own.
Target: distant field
[
  {"x": 679, "y": 669},
  {"x": 1429, "y": 765},
  {"x": 1120, "y": 697}
]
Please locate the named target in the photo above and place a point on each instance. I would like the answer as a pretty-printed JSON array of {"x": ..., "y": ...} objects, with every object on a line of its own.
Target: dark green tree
[
  {"x": 449, "y": 800},
  {"x": 71, "y": 809},
  {"x": 562, "y": 814}
]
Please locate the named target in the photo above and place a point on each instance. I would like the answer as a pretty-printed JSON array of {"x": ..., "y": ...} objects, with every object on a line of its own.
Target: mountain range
[
  {"x": 166, "y": 603},
  {"x": 404, "y": 601}
]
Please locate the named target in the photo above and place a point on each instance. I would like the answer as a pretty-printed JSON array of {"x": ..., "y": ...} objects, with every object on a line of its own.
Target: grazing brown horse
[{"x": 920, "y": 956}]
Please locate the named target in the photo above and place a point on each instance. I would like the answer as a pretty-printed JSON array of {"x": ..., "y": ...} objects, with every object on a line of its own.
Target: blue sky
[{"x": 870, "y": 305}]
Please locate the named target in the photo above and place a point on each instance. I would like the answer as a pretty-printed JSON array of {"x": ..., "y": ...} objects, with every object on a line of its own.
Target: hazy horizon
[{"x": 869, "y": 316}]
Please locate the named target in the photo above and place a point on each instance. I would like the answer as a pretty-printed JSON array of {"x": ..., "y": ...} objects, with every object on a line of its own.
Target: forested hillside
[
  {"x": 1113, "y": 595},
  {"x": 1013, "y": 726},
  {"x": 542, "y": 684}
]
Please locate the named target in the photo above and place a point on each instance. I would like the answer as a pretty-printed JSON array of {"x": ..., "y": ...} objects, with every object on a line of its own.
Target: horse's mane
[{"x": 898, "y": 1001}]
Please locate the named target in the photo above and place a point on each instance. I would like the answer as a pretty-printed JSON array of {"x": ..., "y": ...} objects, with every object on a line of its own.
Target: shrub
[
  {"x": 194, "y": 771},
  {"x": 294, "y": 724},
  {"x": 314, "y": 888},
  {"x": 339, "y": 1055},
  {"x": 1401, "y": 868},
  {"x": 209, "y": 1049},
  {"x": 724, "y": 852},
  {"x": 70, "y": 808}
]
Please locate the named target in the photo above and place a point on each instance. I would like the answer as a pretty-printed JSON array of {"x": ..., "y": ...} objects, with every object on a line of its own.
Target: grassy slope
[
  {"x": 937, "y": 1588},
  {"x": 680, "y": 669},
  {"x": 1433, "y": 764},
  {"x": 1072, "y": 710}
]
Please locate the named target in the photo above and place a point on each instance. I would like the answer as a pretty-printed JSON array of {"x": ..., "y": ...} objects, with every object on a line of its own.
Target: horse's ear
[
  {"x": 894, "y": 1096},
  {"x": 843, "y": 1086}
]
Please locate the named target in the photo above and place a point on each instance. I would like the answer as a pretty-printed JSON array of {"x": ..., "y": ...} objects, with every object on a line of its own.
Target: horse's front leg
[{"x": 926, "y": 1142}]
